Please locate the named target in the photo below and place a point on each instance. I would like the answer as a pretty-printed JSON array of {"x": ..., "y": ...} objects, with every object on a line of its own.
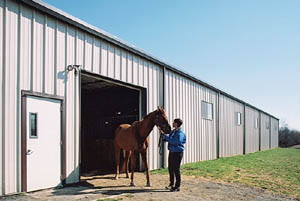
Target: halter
[{"x": 161, "y": 126}]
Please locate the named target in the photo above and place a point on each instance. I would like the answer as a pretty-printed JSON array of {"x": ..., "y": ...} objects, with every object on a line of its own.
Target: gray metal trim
[
  {"x": 3, "y": 97},
  {"x": 18, "y": 104},
  {"x": 259, "y": 126},
  {"x": 59, "y": 14},
  {"x": 108, "y": 79},
  {"x": 218, "y": 126},
  {"x": 42, "y": 95},
  {"x": 244, "y": 131},
  {"x": 270, "y": 133}
]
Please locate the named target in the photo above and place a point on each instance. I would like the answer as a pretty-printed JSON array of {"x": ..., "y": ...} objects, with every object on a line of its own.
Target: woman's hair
[{"x": 178, "y": 122}]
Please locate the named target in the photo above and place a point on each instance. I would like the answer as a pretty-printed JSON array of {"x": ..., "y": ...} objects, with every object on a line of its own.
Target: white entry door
[{"x": 43, "y": 143}]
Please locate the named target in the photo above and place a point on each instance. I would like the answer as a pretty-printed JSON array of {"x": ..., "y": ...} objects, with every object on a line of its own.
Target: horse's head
[{"x": 161, "y": 120}]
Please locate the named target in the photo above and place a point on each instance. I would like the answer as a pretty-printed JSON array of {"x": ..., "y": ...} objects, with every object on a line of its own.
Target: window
[
  {"x": 275, "y": 127},
  {"x": 238, "y": 118},
  {"x": 267, "y": 125},
  {"x": 33, "y": 125},
  {"x": 256, "y": 123},
  {"x": 207, "y": 110}
]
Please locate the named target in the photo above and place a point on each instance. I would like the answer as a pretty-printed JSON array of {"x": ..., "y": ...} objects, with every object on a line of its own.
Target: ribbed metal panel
[
  {"x": 231, "y": 134},
  {"x": 49, "y": 55},
  {"x": 10, "y": 95},
  {"x": 252, "y": 133},
  {"x": 265, "y": 132},
  {"x": 72, "y": 174},
  {"x": 38, "y": 49},
  {"x": 274, "y": 133},
  {"x": 60, "y": 58},
  {"x": 2, "y": 122},
  {"x": 183, "y": 100}
]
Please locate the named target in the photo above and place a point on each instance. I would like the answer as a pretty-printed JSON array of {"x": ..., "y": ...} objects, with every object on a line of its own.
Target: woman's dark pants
[{"x": 174, "y": 167}]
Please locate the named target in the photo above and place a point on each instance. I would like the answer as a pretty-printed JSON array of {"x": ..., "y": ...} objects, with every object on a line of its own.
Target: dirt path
[{"x": 101, "y": 187}]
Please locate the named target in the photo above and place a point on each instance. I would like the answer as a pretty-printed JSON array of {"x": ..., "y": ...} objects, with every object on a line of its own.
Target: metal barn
[{"x": 57, "y": 118}]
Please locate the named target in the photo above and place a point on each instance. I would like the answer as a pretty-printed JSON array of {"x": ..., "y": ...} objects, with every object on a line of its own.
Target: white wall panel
[
  {"x": 141, "y": 72},
  {"x": 183, "y": 100},
  {"x": 25, "y": 47},
  {"x": 70, "y": 109},
  {"x": 60, "y": 55},
  {"x": 80, "y": 49},
  {"x": 145, "y": 75},
  {"x": 274, "y": 133},
  {"x": 129, "y": 68},
  {"x": 135, "y": 70},
  {"x": 252, "y": 133},
  {"x": 111, "y": 61},
  {"x": 104, "y": 58},
  {"x": 123, "y": 66},
  {"x": 10, "y": 96},
  {"x": 2, "y": 122},
  {"x": 96, "y": 56},
  {"x": 117, "y": 64},
  {"x": 49, "y": 55},
  {"x": 88, "y": 52},
  {"x": 231, "y": 134},
  {"x": 38, "y": 51},
  {"x": 265, "y": 131}
]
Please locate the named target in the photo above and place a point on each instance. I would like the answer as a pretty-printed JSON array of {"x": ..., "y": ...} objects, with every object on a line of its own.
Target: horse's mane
[
  {"x": 145, "y": 117},
  {"x": 159, "y": 109},
  {"x": 137, "y": 123}
]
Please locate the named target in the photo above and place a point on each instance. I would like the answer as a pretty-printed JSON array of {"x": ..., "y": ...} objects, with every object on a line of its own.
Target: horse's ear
[{"x": 159, "y": 108}]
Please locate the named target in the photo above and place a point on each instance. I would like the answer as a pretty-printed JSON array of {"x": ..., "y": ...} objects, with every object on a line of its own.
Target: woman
[{"x": 176, "y": 140}]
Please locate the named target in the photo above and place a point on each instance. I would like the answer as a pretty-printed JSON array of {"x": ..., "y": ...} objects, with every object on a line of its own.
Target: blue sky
[{"x": 249, "y": 48}]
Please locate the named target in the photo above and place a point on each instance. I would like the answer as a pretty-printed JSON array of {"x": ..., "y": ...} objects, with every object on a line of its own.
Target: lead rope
[{"x": 161, "y": 142}]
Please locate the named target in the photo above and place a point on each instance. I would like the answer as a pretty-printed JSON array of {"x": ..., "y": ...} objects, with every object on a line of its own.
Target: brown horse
[{"x": 134, "y": 138}]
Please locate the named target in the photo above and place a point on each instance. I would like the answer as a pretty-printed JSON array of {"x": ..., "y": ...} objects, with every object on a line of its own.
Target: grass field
[{"x": 276, "y": 170}]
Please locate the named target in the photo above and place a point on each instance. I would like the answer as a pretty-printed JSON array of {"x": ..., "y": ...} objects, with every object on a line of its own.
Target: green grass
[{"x": 277, "y": 170}]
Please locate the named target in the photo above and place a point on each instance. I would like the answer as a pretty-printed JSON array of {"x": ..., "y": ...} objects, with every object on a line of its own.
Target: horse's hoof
[
  {"x": 115, "y": 178},
  {"x": 148, "y": 184},
  {"x": 132, "y": 184},
  {"x": 127, "y": 176}
]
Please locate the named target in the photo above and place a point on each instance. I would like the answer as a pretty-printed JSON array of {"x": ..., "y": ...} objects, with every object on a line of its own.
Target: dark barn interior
[{"x": 104, "y": 106}]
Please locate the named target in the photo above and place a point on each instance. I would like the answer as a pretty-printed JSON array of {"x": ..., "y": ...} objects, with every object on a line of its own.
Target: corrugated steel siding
[
  {"x": 231, "y": 135},
  {"x": 265, "y": 132},
  {"x": 2, "y": 123},
  {"x": 10, "y": 95},
  {"x": 183, "y": 100},
  {"x": 252, "y": 133},
  {"x": 44, "y": 46},
  {"x": 274, "y": 133}
]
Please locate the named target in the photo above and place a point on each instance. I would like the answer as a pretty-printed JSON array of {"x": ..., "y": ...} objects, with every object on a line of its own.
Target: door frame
[
  {"x": 143, "y": 91},
  {"x": 24, "y": 95}
]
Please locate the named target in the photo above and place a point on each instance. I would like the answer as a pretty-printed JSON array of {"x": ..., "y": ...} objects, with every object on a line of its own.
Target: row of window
[{"x": 207, "y": 113}]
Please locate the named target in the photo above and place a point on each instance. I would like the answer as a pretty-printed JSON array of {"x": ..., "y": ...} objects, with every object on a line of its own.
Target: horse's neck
[{"x": 147, "y": 125}]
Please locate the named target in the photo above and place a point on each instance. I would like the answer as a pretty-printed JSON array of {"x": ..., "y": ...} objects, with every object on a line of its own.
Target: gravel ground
[{"x": 102, "y": 187}]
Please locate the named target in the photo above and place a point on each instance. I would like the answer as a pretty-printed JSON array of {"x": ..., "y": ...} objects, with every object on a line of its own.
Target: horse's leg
[
  {"x": 144, "y": 157},
  {"x": 126, "y": 161},
  {"x": 117, "y": 157},
  {"x": 132, "y": 160}
]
